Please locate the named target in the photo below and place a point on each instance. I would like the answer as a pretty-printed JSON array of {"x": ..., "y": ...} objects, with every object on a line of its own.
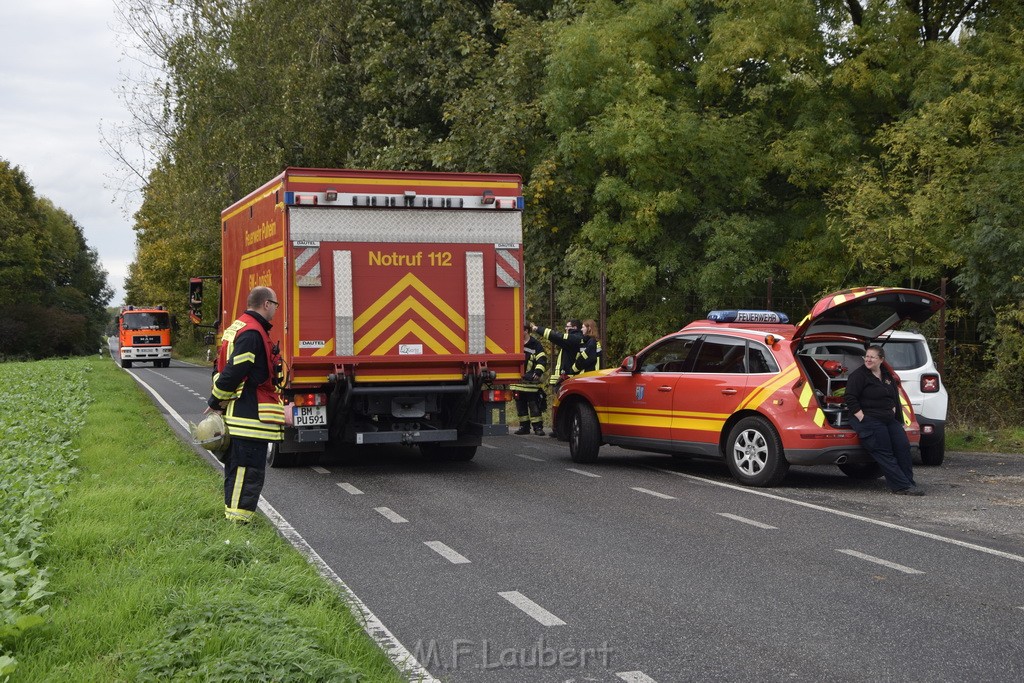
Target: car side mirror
[{"x": 628, "y": 363}]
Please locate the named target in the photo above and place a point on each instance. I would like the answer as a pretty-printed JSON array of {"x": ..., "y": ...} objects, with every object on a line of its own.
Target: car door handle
[
  {"x": 665, "y": 387},
  {"x": 728, "y": 392}
]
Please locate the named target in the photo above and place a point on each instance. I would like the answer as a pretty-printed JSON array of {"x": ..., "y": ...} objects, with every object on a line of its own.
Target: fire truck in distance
[
  {"x": 401, "y": 304},
  {"x": 144, "y": 334}
]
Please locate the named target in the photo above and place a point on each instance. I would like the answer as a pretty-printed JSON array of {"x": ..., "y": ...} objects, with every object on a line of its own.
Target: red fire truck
[
  {"x": 401, "y": 303},
  {"x": 144, "y": 334}
]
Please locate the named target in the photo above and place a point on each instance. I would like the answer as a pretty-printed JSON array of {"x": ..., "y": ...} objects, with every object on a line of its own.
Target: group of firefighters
[
  {"x": 247, "y": 393},
  {"x": 579, "y": 350}
]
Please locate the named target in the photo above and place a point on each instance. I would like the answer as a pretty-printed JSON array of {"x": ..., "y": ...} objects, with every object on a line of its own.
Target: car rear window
[{"x": 904, "y": 355}]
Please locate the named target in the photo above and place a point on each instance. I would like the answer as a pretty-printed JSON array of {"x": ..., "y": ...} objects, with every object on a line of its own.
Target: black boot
[{"x": 523, "y": 429}]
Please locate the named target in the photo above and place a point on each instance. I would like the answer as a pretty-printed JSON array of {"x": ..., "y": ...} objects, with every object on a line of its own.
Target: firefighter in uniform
[
  {"x": 529, "y": 394},
  {"x": 568, "y": 345},
  {"x": 247, "y": 389},
  {"x": 589, "y": 356}
]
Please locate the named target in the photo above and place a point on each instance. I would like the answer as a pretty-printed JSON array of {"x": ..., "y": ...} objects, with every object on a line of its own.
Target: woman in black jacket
[{"x": 873, "y": 397}]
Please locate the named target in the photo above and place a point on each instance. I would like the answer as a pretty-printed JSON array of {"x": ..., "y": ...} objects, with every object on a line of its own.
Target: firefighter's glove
[
  {"x": 537, "y": 374},
  {"x": 215, "y": 404}
]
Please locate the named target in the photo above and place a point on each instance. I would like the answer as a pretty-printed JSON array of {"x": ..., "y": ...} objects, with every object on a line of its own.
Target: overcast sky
[{"x": 59, "y": 69}]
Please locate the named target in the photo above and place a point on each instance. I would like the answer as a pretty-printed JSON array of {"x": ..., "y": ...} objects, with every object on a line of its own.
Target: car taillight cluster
[
  {"x": 309, "y": 399},
  {"x": 929, "y": 384}
]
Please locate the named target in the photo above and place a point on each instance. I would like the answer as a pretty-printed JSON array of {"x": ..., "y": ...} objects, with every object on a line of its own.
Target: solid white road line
[
  {"x": 321, "y": 470},
  {"x": 446, "y": 552},
  {"x": 350, "y": 488},
  {"x": 760, "y": 525},
  {"x": 840, "y": 513},
  {"x": 400, "y": 657},
  {"x": 392, "y": 515},
  {"x": 529, "y": 457},
  {"x": 583, "y": 472},
  {"x": 878, "y": 560},
  {"x": 635, "y": 677},
  {"x": 653, "y": 493},
  {"x": 524, "y": 603}
]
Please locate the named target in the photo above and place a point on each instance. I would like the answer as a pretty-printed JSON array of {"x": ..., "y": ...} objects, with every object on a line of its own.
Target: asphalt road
[{"x": 522, "y": 566}]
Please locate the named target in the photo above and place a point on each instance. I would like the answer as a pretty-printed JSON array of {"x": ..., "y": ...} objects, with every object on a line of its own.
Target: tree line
[
  {"x": 689, "y": 150},
  {"x": 56, "y": 287}
]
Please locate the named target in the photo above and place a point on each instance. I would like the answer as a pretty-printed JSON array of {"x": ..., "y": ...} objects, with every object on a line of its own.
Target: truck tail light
[
  {"x": 309, "y": 399},
  {"x": 929, "y": 384},
  {"x": 496, "y": 395}
]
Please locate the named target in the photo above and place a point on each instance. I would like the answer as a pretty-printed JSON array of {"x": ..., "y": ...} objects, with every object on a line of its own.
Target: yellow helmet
[{"x": 212, "y": 434}]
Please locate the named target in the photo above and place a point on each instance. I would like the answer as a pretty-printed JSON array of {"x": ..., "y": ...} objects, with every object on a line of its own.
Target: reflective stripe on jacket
[{"x": 245, "y": 381}]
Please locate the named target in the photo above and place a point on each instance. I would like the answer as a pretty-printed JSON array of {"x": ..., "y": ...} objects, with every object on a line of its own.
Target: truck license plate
[{"x": 309, "y": 416}]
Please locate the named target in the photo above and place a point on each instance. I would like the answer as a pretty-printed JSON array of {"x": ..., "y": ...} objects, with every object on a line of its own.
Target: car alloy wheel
[
  {"x": 750, "y": 452},
  {"x": 754, "y": 453}
]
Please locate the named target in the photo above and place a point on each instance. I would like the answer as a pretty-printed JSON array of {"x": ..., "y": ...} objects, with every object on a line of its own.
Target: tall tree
[{"x": 58, "y": 288}]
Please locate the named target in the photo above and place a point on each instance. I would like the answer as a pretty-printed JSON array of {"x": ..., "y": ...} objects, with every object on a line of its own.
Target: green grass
[
  {"x": 1010, "y": 440},
  {"x": 150, "y": 582}
]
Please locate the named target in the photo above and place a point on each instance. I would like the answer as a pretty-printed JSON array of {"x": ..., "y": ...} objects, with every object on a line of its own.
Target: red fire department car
[{"x": 742, "y": 386}]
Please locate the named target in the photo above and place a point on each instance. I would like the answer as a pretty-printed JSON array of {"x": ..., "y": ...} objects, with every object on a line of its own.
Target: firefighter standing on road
[
  {"x": 568, "y": 344},
  {"x": 590, "y": 353},
  {"x": 529, "y": 394},
  {"x": 246, "y": 387}
]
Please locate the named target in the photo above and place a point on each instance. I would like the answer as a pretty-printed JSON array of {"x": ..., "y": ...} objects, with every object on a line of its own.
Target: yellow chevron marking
[
  {"x": 409, "y": 280},
  {"x": 410, "y": 304},
  {"x": 408, "y": 328},
  {"x": 327, "y": 349},
  {"x": 819, "y": 417},
  {"x": 805, "y": 396},
  {"x": 492, "y": 346},
  {"x": 763, "y": 391}
]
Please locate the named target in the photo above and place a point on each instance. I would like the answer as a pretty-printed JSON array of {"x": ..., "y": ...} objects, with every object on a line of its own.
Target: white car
[{"x": 910, "y": 357}]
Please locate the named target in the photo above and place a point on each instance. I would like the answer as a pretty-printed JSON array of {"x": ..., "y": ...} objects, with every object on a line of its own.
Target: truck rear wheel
[
  {"x": 276, "y": 459},
  {"x": 441, "y": 452},
  {"x": 126, "y": 363}
]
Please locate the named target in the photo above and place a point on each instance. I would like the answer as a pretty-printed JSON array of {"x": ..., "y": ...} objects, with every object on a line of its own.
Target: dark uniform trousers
[{"x": 244, "y": 472}]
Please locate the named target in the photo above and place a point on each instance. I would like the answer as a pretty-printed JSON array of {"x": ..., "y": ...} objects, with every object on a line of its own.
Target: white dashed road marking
[
  {"x": 653, "y": 493},
  {"x": 878, "y": 560},
  {"x": 524, "y": 603},
  {"x": 760, "y": 525},
  {"x": 529, "y": 457},
  {"x": 345, "y": 486},
  {"x": 487, "y": 445},
  {"x": 321, "y": 470},
  {"x": 583, "y": 472},
  {"x": 446, "y": 552},
  {"x": 841, "y": 513},
  {"x": 392, "y": 515}
]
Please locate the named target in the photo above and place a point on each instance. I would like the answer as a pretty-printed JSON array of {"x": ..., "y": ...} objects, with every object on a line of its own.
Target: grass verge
[
  {"x": 151, "y": 583},
  {"x": 1010, "y": 440}
]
